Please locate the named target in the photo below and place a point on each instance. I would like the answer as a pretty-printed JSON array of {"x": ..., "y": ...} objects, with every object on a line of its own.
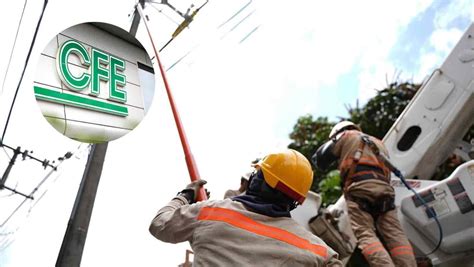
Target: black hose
[
  {"x": 430, "y": 210},
  {"x": 399, "y": 174}
]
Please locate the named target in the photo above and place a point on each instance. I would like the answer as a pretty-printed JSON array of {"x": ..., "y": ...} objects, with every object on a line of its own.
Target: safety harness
[
  {"x": 359, "y": 172},
  {"x": 356, "y": 173}
]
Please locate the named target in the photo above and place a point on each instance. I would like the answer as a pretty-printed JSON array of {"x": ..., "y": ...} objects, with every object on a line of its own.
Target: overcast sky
[{"x": 239, "y": 89}]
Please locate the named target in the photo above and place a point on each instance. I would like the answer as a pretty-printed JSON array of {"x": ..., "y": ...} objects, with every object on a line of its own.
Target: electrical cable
[
  {"x": 6, "y": 153},
  {"x": 39, "y": 185},
  {"x": 14, "y": 44},
  {"x": 241, "y": 21},
  {"x": 23, "y": 72},
  {"x": 181, "y": 58},
  {"x": 248, "y": 34},
  {"x": 6, "y": 242},
  {"x": 235, "y": 14},
  {"x": 164, "y": 14},
  {"x": 430, "y": 210},
  {"x": 398, "y": 173},
  {"x": 25, "y": 154},
  {"x": 26, "y": 199},
  {"x": 11, "y": 194}
]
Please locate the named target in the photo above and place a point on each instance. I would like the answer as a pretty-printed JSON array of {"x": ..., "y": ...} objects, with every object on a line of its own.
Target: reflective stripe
[
  {"x": 401, "y": 250},
  {"x": 372, "y": 248},
  {"x": 243, "y": 222}
]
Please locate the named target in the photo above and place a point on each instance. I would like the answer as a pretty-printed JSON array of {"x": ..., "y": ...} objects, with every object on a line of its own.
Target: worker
[
  {"x": 368, "y": 194},
  {"x": 254, "y": 229},
  {"x": 244, "y": 183}
]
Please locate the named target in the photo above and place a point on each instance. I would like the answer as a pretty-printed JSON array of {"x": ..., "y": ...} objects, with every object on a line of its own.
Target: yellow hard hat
[{"x": 289, "y": 172}]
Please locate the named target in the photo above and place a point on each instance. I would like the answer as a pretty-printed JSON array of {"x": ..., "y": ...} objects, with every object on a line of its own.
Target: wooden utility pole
[{"x": 74, "y": 240}]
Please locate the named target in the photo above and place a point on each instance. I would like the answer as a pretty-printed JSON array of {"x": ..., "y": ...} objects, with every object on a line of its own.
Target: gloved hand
[{"x": 191, "y": 191}]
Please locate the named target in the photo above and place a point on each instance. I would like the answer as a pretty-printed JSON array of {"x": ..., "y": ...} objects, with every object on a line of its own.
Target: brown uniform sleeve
[
  {"x": 339, "y": 143},
  {"x": 176, "y": 221}
]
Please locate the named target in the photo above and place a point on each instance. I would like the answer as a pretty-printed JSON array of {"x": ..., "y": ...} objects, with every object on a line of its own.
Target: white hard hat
[{"x": 341, "y": 126}]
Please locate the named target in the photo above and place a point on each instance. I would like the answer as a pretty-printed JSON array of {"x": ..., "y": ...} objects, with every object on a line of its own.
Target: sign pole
[{"x": 74, "y": 240}]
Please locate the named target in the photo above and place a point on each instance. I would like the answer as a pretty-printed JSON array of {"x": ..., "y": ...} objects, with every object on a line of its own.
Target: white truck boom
[{"x": 427, "y": 132}]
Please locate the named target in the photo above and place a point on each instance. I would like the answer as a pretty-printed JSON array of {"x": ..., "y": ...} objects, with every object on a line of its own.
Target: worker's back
[
  {"x": 349, "y": 142},
  {"x": 225, "y": 233}
]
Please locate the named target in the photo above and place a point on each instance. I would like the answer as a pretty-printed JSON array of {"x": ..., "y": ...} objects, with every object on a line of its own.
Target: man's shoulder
[
  {"x": 227, "y": 203},
  {"x": 348, "y": 135}
]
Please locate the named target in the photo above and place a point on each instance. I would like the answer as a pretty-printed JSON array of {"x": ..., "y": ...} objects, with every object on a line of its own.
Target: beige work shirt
[
  {"x": 346, "y": 146},
  {"x": 231, "y": 193},
  {"x": 225, "y": 233}
]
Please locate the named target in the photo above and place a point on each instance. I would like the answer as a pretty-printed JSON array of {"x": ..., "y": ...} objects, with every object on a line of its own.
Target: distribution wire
[
  {"x": 238, "y": 23},
  {"x": 30, "y": 195},
  {"x": 6, "y": 153},
  {"x": 248, "y": 34},
  {"x": 67, "y": 156},
  {"x": 235, "y": 14},
  {"x": 14, "y": 44},
  {"x": 225, "y": 22},
  {"x": 25, "y": 154},
  {"x": 24, "y": 69},
  {"x": 164, "y": 14},
  {"x": 5, "y": 243}
]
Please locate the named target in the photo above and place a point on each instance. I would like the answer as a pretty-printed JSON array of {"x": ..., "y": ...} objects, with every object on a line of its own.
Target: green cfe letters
[{"x": 104, "y": 67}]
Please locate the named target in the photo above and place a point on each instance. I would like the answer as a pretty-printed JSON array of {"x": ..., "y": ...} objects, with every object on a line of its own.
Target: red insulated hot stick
[{"x": 190, "y": 162}]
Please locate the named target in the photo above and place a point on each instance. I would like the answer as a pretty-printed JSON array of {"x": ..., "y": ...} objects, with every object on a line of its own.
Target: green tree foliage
[
  {"x": 309, "y": 134},
  {"x": 330, "y": 187},
  {"x": 381, "y": 111}
]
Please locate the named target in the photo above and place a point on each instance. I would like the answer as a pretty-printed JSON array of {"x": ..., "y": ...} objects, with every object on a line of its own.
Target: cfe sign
[{"x": 99, "y": 66}]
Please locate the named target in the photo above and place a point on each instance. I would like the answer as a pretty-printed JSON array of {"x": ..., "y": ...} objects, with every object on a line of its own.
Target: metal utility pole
[
  {"x": 16, "y": 152},
  {"x": 136, "y": 19},
  {"x": 74, "y": 240}
]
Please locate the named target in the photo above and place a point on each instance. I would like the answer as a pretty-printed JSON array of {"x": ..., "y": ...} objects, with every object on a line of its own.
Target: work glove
[{"x": 191, "y": 191}]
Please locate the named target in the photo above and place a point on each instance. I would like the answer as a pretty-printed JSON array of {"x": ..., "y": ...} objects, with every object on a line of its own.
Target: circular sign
[{"x": 94, "y": 82}]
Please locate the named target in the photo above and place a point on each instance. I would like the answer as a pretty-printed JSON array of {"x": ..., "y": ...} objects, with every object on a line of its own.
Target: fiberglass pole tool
[{"x": 190, "y": 162}]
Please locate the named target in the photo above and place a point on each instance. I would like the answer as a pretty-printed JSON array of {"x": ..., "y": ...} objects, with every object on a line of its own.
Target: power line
[
  {"x": 238, "y": 23},
  {"x": 14, "y": 44},
  {"x": 6, "y": 242},
  {"x": 235, "y": 14},
  {"x": 161, "y": 11},
  {"x": 62, "y": 159},
  {"x": 6, "y": 153},
  {"x": 26, "y": 199},
  {"x": 250, "y": 33},
  {"x": 26, "y": 154},
  {"x": 24, "y": 69}
]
